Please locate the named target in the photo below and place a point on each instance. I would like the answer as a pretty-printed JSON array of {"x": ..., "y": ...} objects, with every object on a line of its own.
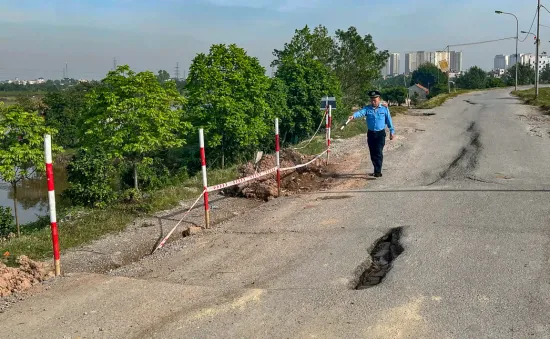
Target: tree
[
  {"x": 131, "y": 116},
  {"x": 90, "y": 174},
  {"x": 163, "y": 76},
  {"x": 353, "y": 59},
  {"x": 544, "y": 75},
  {"x": 307, "y": 81},
  {"x": 277, "y": 98},
  {"x": 493, "y": 82},
  {"x": 526, "y": 75},
  {"x": 357, "y": 64},
  {"x": 431, "y": 77},
  {"x": 22, "y": 147},
  {"x": 474, "y": 78},
  {"x": 64, "y": 109},
  {"x": 227, "y": 97},
  {"x": 396, "y": 95},
  {"x": 317, "y": 45},
  {"x": 400, "y": 80}
]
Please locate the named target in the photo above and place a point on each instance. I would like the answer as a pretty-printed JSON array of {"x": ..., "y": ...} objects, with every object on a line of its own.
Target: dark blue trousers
[{"x": 376, "y": 141}]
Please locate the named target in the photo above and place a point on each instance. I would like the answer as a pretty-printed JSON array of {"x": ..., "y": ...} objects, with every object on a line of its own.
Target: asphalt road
[{"x": 471, "y": 191}]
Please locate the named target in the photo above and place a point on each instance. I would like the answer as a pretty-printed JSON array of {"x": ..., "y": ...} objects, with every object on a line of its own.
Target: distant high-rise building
[
  {"x": 455, "y": 62},
  {"x": 392, "y": 65},
  {"x": 416, "y": 59},
  {"x": 512, "y": 60},
  {"x": 408, "y": 63},
  {"x": 501, "y": 62},
  {"x": 413, "y": 60}
]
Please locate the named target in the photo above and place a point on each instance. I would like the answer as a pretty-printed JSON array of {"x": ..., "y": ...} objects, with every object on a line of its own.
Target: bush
[
  {"x": 91, "y": 179},
  {"x": 7, "y": 222}
]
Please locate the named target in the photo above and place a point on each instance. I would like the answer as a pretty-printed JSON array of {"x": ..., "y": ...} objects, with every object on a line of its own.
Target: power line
[
  {"x": 530, "y": 28},
  {"x": 479, "y": 42}
]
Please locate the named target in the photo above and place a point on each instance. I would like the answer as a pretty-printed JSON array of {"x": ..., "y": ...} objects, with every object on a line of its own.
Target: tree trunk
[
  {"x": 136, "y": 177},
  {"x": 14, "y": 184}
]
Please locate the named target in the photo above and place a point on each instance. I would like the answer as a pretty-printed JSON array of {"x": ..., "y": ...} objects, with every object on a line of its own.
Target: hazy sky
[{"x": 37, "y": 37}]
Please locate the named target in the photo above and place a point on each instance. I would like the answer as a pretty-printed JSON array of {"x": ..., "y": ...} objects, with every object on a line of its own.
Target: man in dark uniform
[{"x": 377, "y": 116}]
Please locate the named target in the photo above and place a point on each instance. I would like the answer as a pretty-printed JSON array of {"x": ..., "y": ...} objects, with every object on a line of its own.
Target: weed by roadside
[
  {"x": 528, "y": 96},
  {"x": 438, "y": 100}
]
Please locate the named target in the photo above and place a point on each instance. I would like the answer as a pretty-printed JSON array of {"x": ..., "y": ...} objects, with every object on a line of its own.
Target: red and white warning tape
[
  {"x": 307, "y": 163},
  {"x": 241, "y": 180},
  {"x": 161, "y": 244},
  {"x": 314, "y": 134},
  {"x": 229, "y": 184}
]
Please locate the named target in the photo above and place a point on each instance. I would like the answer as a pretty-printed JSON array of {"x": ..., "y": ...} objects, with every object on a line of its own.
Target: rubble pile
[{"x": 29, "y": 273}]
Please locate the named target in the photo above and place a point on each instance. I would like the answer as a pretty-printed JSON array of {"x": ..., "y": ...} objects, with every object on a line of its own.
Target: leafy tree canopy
[
  {"x": 131, "y": 115},
  {"x": 227, "y": 97}
]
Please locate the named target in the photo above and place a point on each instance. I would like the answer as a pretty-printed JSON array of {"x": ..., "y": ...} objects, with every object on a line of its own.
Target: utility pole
[
  {"x": 114, "y": 64},
  {"x": 449, "y": 68},
  {"x": 537, "y": 53}
]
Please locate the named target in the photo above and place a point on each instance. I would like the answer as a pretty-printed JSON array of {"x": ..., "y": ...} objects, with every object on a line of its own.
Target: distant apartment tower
[
  {"x": 530, "y": 59},
  {"x": 392, "y": 65},
  {"x": 455, "y": 62},
  {"x": 416, "y": 59},
  {"x": 512, "y": 59},
  {"x": 501, "y": 62},
  {"x": 410, "y": 63}
]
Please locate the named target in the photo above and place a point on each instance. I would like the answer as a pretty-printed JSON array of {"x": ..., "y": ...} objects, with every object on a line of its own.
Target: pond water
[{"x": 32, "y": 195}]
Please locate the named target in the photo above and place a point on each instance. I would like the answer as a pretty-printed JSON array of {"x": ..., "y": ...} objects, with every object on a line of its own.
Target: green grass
[
  {"x": 83, "y": 225},
  {"x": 438, "y": 100},
  {"x": 316, "y": 146},
  {"x": 528, "y": 96}
]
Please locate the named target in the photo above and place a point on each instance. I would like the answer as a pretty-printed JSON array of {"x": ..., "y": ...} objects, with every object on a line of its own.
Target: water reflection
[{"x": 32, "y": 195}]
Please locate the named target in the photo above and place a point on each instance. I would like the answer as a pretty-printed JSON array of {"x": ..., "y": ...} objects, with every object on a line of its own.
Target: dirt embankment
[
  {"x": 313, "y": 177},
  {"x": 29, "y": 273}
]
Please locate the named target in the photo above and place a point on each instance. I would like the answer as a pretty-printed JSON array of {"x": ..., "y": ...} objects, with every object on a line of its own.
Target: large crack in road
[{"x": 466, "y": 160}]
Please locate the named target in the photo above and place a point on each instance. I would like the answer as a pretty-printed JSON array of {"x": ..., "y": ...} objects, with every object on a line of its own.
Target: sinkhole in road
[{"x": 385, "y": 250}]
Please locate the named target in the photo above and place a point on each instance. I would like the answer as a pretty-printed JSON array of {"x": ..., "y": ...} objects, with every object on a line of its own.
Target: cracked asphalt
[{"x": 471, "y": 191}]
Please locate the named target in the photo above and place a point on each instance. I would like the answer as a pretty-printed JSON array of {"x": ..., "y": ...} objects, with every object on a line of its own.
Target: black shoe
[{"x": 377, "y": 175}]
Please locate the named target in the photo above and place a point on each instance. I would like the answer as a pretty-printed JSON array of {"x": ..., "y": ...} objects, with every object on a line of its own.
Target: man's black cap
[{"x": 374, "y": 94}]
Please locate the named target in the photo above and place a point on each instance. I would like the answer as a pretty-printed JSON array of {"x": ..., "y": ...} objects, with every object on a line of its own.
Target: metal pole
[
  {"x": 329, "y": 127},
  {"x": 277, "y": 157},
  {"x": 204, "y": 180},
  {"x": 326, "y": 128},
  {"x": 517, "y": 38},
  {"x": 448, "y": 69},
  {"x": 51, "y": 198},
  {"x": 537, "y": 53}
]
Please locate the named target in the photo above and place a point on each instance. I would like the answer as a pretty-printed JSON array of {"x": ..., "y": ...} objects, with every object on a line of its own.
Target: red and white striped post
[
  {"x": 51, "y": 198},
  {"x": 329, "y": 125},
  {"x": 277, "y": 158},
  {"x": 204, "y": 180}
]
